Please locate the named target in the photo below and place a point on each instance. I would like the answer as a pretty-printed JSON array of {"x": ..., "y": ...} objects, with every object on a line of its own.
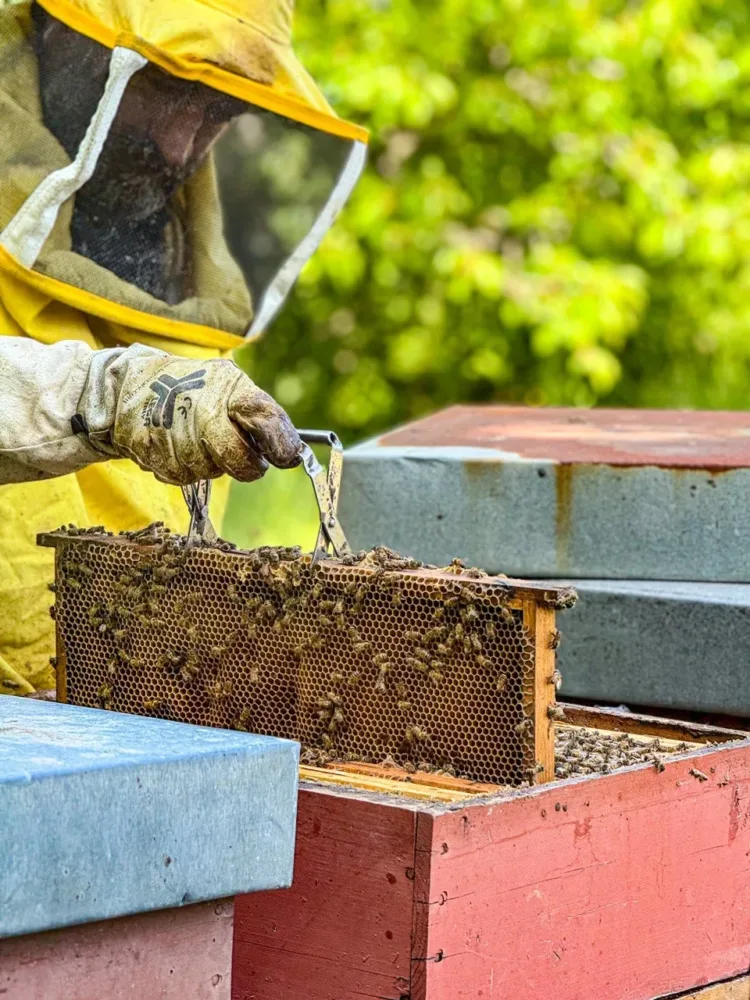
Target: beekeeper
[{"x": 166, "y": 170}]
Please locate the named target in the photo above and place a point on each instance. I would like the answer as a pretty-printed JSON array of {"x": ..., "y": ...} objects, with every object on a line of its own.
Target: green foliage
[{"x": 556, "y": 210}]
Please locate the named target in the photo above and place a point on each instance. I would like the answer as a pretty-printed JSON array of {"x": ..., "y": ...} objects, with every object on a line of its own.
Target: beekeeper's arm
[{"x": 64, "y": 406}]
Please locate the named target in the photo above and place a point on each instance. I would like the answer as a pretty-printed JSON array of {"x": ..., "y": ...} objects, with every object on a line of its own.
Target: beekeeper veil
[{"x": 166, "y": 166}]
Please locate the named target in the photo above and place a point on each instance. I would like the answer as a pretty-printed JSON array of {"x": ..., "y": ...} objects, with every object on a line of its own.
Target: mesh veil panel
[{"x": 195, "y": 202}]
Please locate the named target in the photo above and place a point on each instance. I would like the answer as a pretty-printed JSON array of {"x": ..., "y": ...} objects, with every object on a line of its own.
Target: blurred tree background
[{"x": 556, "y": 211}]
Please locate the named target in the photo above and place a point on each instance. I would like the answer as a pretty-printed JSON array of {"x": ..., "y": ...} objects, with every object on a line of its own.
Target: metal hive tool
[{"x": 359, "y": 659}]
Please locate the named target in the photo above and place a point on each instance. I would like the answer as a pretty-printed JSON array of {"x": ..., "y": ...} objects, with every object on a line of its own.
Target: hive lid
[
  {"x": 135, "y": 814},
  {"x": 665, "y": 438},
  {"x": 572, "y": 493}
]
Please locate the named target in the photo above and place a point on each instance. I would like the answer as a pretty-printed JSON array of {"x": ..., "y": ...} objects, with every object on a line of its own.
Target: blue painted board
[{"x": 103, "y": 815}]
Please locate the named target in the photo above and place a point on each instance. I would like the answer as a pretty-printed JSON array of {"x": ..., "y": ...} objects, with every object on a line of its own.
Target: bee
[
  {"x": 73, "y": 583},
  {"x": 698, "y": 774},
  {"x": 458, "y": 632},
  {"x": 136, "y": 663},
  {"x": 412, "y": 636},
  {"x": 112, "y": 666},
  {"x": 556, "y": 713},
  {"x": 336, "y": 719},
  {"x": 556, "y": 679},
  {"x": 154, "y": 705},
  {"x": 14, "y": 685},
  {"x": 396, "y": 597},
  {"x": 415, "y": 664},
  {"x": 423, "y": 654},
  {"x": 243, "y": 720},
  {"x": 433, "y": 634},
  {"x": 53, "y": 662},
  {"x": 555, "y": 638},
  {"x": 362, "y": 647},
  {"x": 380, "y": 682},
  {"x": 220, "y": 690},
  {"x": 53, "y": 588},
  {"x": 193, "y": 633},
  {"x": 404, "y": 706},
  {"x": 438, "y": 614},
  {"x": 85, "y": 570},
  {"x": 489, "y": 630},
  {"x": 414, "y": 734},
  {"x": 481, "y": 661},
  {"x": 254, "y": 674},
  {"x": 523, "y": 727},
  {"x": 317, "y": 590},
  {"x": 501, "y": 683},
  {"x": 380, "y": 658},
  {"x": 436, "y": 676},
  {"x": 353, "y": 680},
  {"x": 104, "y": 695},
  {"x": 507, "y": 615},
  {"x": 327, "y": 742},
  {"x": 324, "y": 621},
  {"x": 451, "y": 602},
  {"x": 327, "y": 605},
  {"x": 217, "y": 652},
  {"x": 337, "y": 678},
  {"x": 469, "y": 614}
]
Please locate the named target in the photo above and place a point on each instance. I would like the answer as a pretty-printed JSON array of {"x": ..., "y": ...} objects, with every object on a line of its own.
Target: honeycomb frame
[{"x": 430, "y": 669}]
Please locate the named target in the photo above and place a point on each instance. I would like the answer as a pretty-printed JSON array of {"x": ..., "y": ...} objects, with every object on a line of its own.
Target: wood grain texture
[
  {"x": 624, "y": 887},
  {"x": 168, "y": 955},
  {"x": 647, "y": 725},
  {"x": 397, "y": 781},
  {"x": 738, "y": 989},
  {"x": 343, "y": 931},
  {"x": 544, "y": 689}
]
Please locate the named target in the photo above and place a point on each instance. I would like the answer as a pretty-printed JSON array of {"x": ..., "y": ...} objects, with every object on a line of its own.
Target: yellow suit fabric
[{"x": 115, "y": 493}]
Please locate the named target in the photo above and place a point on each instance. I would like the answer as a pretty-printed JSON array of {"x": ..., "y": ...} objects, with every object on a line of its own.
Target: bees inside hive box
[{"x": 367, "y": 659}]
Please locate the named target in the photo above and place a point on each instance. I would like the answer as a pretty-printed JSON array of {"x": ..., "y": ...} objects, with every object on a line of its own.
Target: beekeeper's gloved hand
[{"x": 65, "y": 406}]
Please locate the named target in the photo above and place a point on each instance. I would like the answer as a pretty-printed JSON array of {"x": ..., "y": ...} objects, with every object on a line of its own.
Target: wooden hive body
[{"x": 626, "y": 886}]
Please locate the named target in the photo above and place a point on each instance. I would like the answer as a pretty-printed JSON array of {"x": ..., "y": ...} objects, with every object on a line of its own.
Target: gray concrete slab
[
  {"x": 589, "y": 494},
  {"x": 530, "y": 517},
  {"x": 661, "y": 644},
  {"x": 104, "y": 815}
]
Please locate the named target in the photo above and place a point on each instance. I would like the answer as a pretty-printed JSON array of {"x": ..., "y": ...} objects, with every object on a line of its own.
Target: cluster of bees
[
  {"x": 584, "y": 751},
  {"x": 313, "y": 610}
]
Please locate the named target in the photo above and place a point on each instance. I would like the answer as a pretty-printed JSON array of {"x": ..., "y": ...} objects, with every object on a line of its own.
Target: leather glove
[
  {"x": 185, "y": 420},
  {"x": 64, "y": 406}
]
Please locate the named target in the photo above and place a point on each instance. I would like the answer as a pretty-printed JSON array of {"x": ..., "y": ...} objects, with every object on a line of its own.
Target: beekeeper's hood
[{"x": 169, "y": 167}]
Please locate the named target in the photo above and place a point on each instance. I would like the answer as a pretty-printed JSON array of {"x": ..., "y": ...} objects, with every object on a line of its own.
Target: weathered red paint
[
  {"x": 343, "y": 929},
  {"x": 169, "y": 955},
  {"x": 637, "y": 887},
  {"x": 713, "y": 441},
  {"x": 624, "y": 887}
]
